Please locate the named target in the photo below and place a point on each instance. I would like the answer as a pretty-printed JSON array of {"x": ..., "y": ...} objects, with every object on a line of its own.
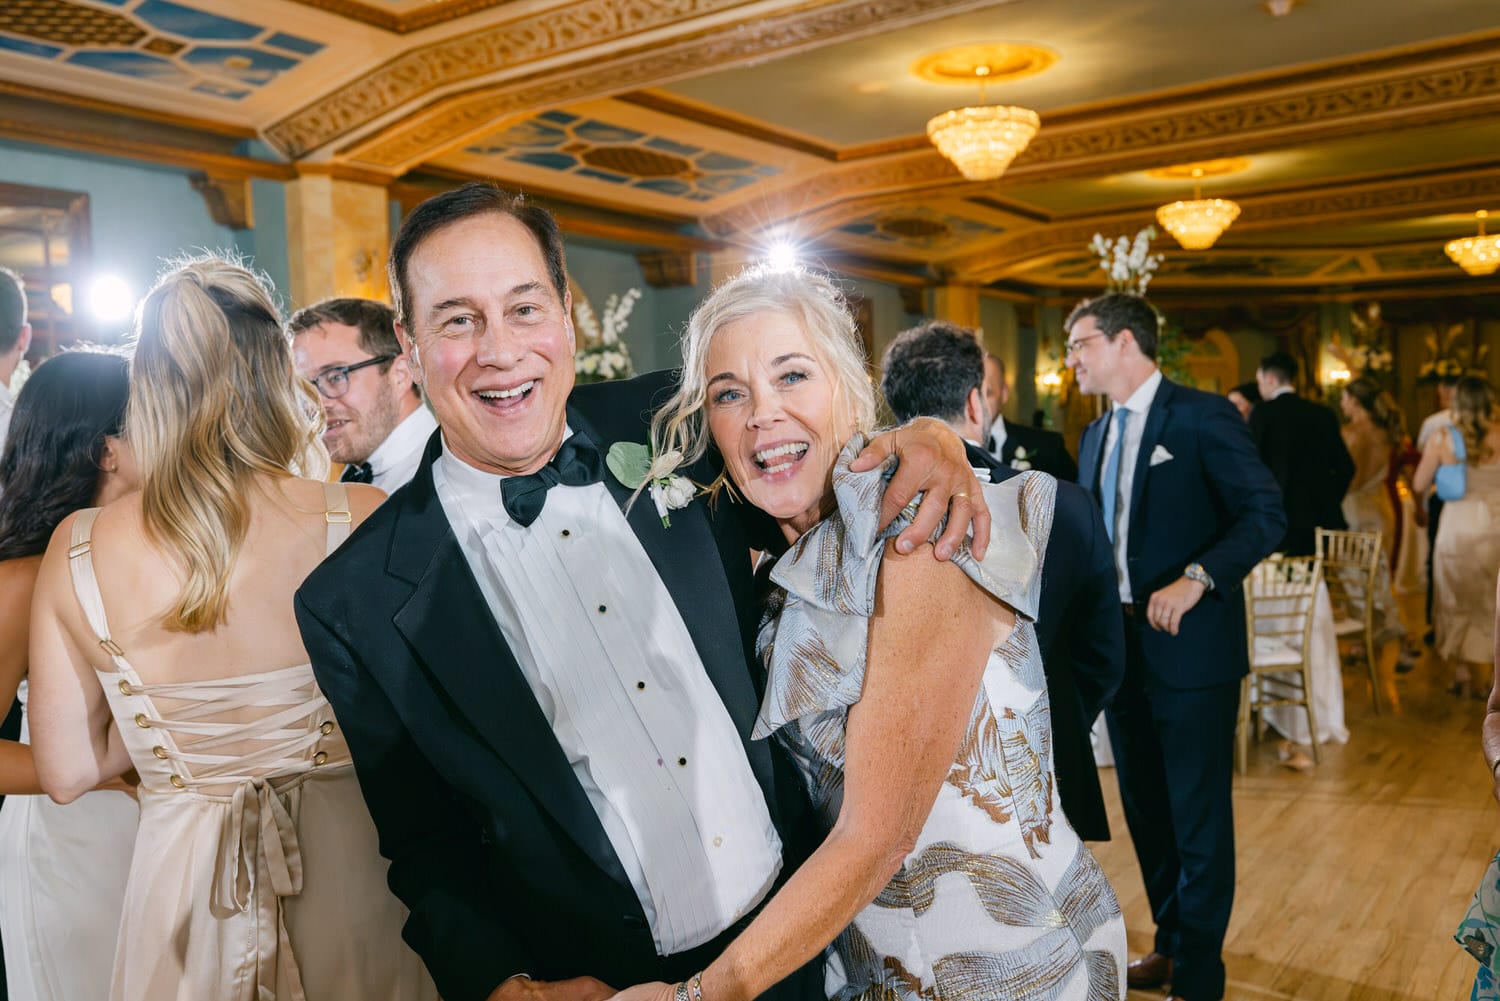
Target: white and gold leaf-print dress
[{"x": 1000, "y": 900}]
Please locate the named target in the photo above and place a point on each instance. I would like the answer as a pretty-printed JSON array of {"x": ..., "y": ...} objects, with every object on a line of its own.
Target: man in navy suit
[
  {"x": 1190, "y": 509},
  {"x": 937, "y": 370},
  {"x": 548, "y": 698}
]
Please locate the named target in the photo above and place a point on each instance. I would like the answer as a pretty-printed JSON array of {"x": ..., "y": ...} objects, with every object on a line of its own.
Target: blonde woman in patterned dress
[
  {"x": 163, "y": 639},
  {"x": 909, "y": 691}
]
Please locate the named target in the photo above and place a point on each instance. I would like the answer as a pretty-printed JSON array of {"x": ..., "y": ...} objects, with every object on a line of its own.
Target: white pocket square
[{"x": 1159, "y": 455}]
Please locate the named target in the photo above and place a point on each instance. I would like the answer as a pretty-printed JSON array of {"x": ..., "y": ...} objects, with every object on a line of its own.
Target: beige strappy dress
[{"x": 256, "y": 872}]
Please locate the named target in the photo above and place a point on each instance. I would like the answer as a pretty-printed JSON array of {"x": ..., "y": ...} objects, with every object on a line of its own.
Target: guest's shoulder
[
  {"x": 354, "y": 559},
  {"x": 1180, "y": 395},
  {"x": 642, "y": 394}
]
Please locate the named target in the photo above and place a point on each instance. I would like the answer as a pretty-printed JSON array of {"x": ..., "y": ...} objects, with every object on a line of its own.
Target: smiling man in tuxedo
[
  {"x": 548, "y": 699},
  {"x": 1189, "y": 508}
]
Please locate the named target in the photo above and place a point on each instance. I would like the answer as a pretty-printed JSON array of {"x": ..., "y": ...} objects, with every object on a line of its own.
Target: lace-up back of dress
[{"x": 190, "y": 731}]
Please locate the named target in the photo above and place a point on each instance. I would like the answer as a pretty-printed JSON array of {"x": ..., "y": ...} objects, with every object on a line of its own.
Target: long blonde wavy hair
[
  {"x": 823, "y": 313},
  {"x": 214, "y": 401},
  {"x": 1473, "y": 414}
]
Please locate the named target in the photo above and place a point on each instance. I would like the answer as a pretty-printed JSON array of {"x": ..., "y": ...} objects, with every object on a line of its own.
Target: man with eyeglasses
[
  {"x": 1189, "y": 509},
  {"x": 375, "y": 421}
]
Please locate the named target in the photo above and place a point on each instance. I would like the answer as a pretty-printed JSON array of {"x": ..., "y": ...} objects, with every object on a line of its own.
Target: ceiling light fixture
[
  {"x": 1478, "y": 255},
  {"x": 1197, "y": 224},
  {"x": 983, "y": 140}
]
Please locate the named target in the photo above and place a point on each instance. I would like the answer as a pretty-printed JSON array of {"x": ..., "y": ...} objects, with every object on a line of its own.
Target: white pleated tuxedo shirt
[
  {"x": 612, "y": 666},
  {"x": 1139, "y": 405}
]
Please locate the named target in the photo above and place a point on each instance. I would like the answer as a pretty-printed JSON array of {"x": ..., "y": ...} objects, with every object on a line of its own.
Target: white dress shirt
[
  {"x": 7, "y": 405},
  {"x": 396, "y": 459},
  {"x": 997, "y": 434},
  {"x": 614, "y": 670},
  {"x": 1139, "y": 405}
]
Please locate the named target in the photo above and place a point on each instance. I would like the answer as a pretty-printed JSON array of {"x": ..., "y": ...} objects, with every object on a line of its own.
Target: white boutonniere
[
  {"x": 1022, "y": 458},
  {"x": 632, "y": 463}
]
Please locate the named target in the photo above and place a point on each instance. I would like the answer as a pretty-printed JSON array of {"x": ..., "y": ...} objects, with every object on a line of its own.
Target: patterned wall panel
[
  {"x": 165, "y": 43},
  {"x": 627, "y": 158}
]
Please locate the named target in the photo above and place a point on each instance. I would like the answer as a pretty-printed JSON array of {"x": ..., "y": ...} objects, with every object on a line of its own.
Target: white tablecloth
[{"x": 1327, "y": 684}]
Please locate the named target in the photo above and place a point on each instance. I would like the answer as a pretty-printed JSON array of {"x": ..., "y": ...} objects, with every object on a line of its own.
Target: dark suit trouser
[
  {"x": 1434, "y": 512},
  {"x": 1174, "y": 757}
]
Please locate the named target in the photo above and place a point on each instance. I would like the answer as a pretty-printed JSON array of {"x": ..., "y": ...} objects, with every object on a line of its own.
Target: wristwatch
[{"x": 1196, "y": 572}]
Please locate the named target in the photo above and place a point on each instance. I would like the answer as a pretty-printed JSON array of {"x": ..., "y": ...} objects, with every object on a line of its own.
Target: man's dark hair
[
  {"x": 12, "y": 308},
  {"x": 929, "y": 371},
  {"x": 1117, "y": 311},
  {"x": 375, "y": 321},
  {"x": 1281, "y": 365},
  {"x": 474, "y": 199}
]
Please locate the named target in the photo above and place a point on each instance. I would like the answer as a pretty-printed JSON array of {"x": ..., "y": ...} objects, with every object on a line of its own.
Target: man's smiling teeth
[
  {"x": 505, "y": 394},
  {"x": 766, "y": 458}
]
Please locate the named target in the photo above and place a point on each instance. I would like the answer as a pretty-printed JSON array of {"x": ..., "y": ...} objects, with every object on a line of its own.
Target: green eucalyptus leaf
[{"x": 629, "y": 461}]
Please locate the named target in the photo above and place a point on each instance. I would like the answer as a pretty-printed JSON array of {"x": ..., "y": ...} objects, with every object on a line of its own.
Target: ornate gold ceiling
[{"x": 1369, "y": 133}]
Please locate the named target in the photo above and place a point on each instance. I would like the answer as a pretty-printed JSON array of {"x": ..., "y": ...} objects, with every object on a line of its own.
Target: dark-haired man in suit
[
  {"x": 937, "y": 370},
  {"x": 1189, "y": 508},
  {"x": 1299, "y": 441},
  {"x": 1018, "y": 445},
  {"x": 548, "y": 699}
]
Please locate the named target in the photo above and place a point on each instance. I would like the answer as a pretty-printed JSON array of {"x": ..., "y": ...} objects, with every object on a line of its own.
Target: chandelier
[
  {"x": 1478, "y": 255},
  {"x": 982, "y": 141},
  {"x": 1197, "y": 224}
]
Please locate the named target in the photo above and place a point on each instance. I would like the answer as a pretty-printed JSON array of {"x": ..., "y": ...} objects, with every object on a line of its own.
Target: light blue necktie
[{"x": 1109, "y": 487}]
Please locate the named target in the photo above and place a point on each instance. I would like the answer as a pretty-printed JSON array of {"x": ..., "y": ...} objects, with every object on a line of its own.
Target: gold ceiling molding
[
  {"x": 1256, "y": 117},
  {"x": 1333, "y": 202},
  {"x": 401, "y": 23},
  {"x": 496, "y": 48},
  {"x": 454, "y": 120}
]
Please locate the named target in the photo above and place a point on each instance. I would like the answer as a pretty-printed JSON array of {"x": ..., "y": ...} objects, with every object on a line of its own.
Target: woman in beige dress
[
  {"x": 1373, "y": 428},
  {"x": 163, "y": 639},
  {"x": 1466, "y": 555}
]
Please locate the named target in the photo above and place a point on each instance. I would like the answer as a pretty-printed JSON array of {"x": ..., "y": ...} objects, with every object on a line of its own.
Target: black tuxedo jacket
[
  {"x": 1299, "y": 442},
  {"x": 493, "y": 844},
  {"x": 1045, "y": 450},
  {"x": 1213, "y": 502},
  {"x": 1081, "y": 639}
]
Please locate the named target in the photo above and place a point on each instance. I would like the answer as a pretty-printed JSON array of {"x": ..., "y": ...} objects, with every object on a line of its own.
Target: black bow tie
[
  {"x": 576, "y": 464},
  {"x": 357, "y": 472}
]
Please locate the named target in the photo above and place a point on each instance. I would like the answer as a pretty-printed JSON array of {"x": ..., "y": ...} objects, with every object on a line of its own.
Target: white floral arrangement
[
  {"x": 602, "y": 355},
  {"x": 1368, "y": 353},
  {"x": 1128, "y": 261}
]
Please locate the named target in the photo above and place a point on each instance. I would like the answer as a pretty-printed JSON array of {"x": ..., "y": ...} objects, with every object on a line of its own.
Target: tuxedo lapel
[
  {"x": 1156, "y": 418},
  {"x": 453, "y": 634},
  {"x": 686, "y": 559}
]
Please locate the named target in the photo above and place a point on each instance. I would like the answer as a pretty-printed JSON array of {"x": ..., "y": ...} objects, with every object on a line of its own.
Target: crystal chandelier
[
  {"x": 1478, "y": 255},
  {"x": 1198, "y": 223},
  {"x": 982, "y": 141}
]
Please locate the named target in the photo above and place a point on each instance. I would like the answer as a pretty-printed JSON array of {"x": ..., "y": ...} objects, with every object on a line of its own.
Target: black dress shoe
[{"x": 1151, "y": 970}]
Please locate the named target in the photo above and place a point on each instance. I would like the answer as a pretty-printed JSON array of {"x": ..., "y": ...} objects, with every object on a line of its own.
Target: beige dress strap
[
  {"x": 340, "y": 521},
  {"x": 86, "y": 584}
]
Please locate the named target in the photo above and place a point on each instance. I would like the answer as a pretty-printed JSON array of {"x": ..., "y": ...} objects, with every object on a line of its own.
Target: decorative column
[
  {"x": 957, "y": 304},
  {"x": 338, "y": 237}
]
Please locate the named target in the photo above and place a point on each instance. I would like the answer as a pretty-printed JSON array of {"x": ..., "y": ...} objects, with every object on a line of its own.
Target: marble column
[{"x": 338, "y": 236}]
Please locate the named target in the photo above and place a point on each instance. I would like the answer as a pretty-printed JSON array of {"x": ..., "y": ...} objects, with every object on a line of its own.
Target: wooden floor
[{"x": 1351, "y": 879}]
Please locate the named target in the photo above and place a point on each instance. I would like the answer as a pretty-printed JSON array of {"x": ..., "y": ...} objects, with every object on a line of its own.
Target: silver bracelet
[
  {"x": 680, "y": 993},
  {"x": 696, "y": 986}
]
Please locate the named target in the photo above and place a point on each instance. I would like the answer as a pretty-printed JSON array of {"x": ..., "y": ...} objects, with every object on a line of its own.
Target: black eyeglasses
[{"x": 334, "y": 382}]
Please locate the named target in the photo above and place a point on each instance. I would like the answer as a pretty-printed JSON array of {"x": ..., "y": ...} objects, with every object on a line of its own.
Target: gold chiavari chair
[
  {"x": 1351, "y": 561},
  {"x": 1280, "y": 595}
]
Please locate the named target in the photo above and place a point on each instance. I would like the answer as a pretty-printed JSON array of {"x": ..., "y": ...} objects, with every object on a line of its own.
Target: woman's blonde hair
[
  {"x": 214, "y": 400},
  {"x": 1473, "y": 413},
  {"x": 820, "y": 309}
]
